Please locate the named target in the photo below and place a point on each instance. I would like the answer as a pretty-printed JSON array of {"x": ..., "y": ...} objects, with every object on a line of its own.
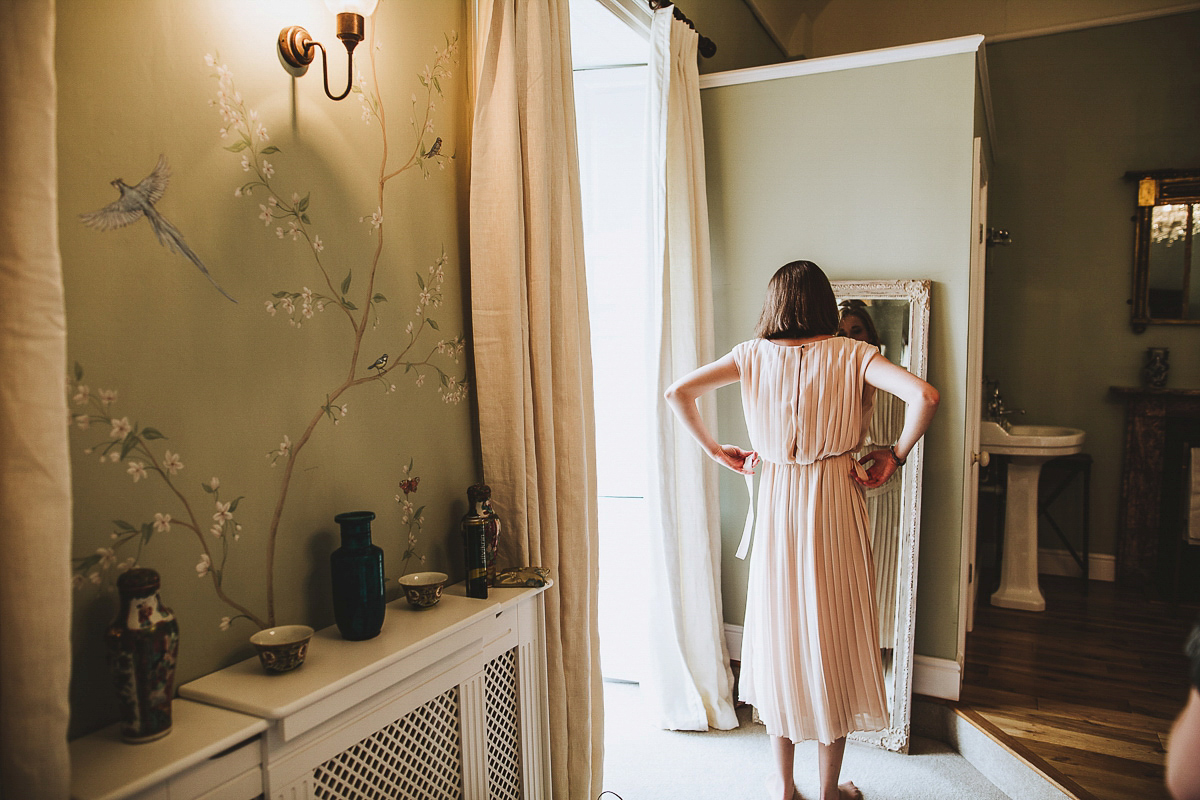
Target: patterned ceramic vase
[
  {"x": 143, "y": 644},
  {"x": 357, "y": 566}
]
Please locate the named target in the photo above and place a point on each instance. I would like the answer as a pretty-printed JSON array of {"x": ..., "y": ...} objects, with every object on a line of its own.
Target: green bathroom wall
[
  {"x": 867, "y": 172},
  {"x": 219, "y": 385},
  {"x": 1074, "y": 112}
]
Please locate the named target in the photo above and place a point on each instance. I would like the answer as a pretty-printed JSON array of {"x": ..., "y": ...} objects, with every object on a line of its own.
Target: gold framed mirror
[{"x": 1166, "y": 257}]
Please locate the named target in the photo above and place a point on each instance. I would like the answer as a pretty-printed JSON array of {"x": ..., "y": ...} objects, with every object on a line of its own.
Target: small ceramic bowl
[
  {"x": 283, "y": 648},
  {"x": 423, "y": 589}
]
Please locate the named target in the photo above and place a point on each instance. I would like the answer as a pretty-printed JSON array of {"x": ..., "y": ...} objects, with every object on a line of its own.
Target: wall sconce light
[{"x": 297, "y": 48}]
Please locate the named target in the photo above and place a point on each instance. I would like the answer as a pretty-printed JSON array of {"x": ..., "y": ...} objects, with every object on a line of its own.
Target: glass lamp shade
[{"x": 364, "y": 7}]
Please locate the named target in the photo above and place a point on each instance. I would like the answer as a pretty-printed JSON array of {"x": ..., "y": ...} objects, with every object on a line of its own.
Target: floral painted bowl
[
  {"x": 423, "y": 589},
  {"x": 283, "y": 648}
]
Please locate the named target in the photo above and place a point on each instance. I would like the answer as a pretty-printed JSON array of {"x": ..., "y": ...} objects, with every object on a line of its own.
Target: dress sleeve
[{"x": 739, "y": 357}]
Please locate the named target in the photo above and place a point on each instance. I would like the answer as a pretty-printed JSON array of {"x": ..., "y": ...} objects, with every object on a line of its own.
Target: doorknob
[{"x": 982, "y": 459}]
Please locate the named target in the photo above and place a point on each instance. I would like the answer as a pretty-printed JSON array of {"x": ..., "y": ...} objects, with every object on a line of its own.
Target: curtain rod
[{"x": 707, "y": 47}]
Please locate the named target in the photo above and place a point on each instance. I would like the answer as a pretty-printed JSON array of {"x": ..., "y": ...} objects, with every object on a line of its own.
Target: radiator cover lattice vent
[
  {"x": 503, "y": 727},
  {"x": 417, "y": 756}
]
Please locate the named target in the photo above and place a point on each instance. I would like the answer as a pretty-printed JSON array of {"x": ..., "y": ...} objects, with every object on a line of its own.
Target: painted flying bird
[
  {"x": 380, "y": 363},
  {"x": 136, "y": 201}
]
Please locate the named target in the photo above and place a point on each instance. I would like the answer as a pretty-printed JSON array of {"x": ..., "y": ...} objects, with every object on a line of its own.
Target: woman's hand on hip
[
  {"x": 735, "y": 458},
  {"x": 883, "y": 465}
]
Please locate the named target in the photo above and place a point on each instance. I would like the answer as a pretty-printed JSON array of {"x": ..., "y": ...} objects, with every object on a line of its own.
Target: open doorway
[{"x": 611, "y": 73}]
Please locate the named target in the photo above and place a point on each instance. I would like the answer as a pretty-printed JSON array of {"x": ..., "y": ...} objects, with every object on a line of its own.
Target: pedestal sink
[{"x": 1028, "y": 447}]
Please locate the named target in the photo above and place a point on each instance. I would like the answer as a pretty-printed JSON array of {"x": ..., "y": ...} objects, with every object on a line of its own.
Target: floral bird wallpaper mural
[{"x": 212, "y": 442}]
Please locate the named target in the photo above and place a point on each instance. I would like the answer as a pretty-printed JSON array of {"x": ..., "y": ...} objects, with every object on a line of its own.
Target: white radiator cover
[{"x": 446, "y": 703}]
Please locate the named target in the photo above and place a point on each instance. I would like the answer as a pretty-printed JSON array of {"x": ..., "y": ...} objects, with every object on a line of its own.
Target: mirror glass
[
  {"x": 895, "y": 316},
  {"x": 1166, "y": 264}
]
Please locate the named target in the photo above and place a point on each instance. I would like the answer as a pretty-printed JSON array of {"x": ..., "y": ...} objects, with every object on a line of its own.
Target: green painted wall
[
  {"x": 1074, "y": 112},
  {"x": 867, "y": 172},
  {"x": 225, "y": 382}
]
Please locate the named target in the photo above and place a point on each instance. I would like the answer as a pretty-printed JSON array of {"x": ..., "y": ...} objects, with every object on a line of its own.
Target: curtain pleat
[
  {"x": 35, "y": 491},
  {"x": 689, "y": 677},
  {"x": 532, "y": 351}
]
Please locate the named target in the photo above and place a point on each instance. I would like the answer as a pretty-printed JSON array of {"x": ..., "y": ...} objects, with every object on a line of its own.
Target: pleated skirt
[{"x": 810, "y": 648}]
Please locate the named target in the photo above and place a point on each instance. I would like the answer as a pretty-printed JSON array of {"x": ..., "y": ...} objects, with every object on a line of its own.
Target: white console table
[
  {"x": 445, "y": 703},
  {"x": 210, "y": 754}
]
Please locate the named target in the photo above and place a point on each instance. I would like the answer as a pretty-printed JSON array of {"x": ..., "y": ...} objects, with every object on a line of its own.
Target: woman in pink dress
[{"x": 810, "y": 647}]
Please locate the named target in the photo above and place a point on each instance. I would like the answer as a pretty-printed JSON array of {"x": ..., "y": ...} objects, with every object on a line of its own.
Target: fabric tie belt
[{"x": 748, "y": 530}]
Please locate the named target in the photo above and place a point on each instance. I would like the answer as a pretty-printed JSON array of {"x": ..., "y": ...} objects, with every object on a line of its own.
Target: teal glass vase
[{"x": 357, "y": 568}]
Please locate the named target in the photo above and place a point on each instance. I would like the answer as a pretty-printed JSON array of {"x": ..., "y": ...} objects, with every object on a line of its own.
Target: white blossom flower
[
  {"x": 95, "y": 578},
  {"x": 392, "y": 388},
  {"x": 307, "y": 311},
  {"x": 108, "y": 557},
  {"x": 423, "y": 299},
  {"x": 420, "y": 379},
  {"x": 162, "y": 523},
  {"x": 267, "y": 169},
  {"x": 317, "y": 244},
  {"x": 120, "y": 428},
  {"x": 261, "y": 132},
  {"x": 127, "y": 564},
  {"x": 209, "y": 61},
  {"x": 285, "y": 446},
  {"x": 270, "y": 308},
  {"x": 245, "y": 163},
  {"x": 293, "y": 231},
  {"x": 223, "y": 513},
  {"x": 345, "y": 410},
  {"x": 171, "y": 462},
  {"x": 237, "y": 192},
  {"x": 82, "y": 393},
  {"x": 224, "y": 623},
  {"x": 137, "y": 469},
  {"x": 295, "y": 198},
  {"x": 108, "y": 396},
  {"x": 214, "y": 484},
  {"x": 287, "y": 305},
  {"x": 408, "y": 328},
  {"x": 272, "y": 202},
  {"x": 217, "y": 529},
  {"x": 83, "y": 422},
  {"x": 204, "y": 566},
  {"x": 114, "y": 457},
  {"x": 265, "y": 216},
  {"x": 77, "y": 581}
]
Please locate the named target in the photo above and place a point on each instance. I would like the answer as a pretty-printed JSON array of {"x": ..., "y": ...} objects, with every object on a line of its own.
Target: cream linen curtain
[
  {"x": 35, "y": 492},
  {"x": 689, "y": 675},
  {"x": 533, "y": 370}
]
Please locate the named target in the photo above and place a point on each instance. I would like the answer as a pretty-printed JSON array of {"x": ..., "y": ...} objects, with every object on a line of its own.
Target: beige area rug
[{"x": 642, "y": 762}]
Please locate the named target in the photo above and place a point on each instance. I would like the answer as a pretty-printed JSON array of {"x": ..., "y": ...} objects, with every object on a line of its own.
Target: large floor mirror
[{"x": 894, "y": 316}]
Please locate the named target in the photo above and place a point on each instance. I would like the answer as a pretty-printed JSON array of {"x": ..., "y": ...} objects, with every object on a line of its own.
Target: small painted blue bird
[
  {"x": 138, "y": 201},
  {"x": 380, "y": 363}
]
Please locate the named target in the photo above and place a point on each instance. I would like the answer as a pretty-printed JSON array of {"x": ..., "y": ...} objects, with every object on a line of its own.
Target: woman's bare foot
[{"x": 845, "y": 791}]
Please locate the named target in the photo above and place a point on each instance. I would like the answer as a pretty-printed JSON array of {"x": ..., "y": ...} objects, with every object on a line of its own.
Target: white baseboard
[
  {"x": 936, "y": 677},
  {"x": 1101, "y": 566},
  {"x": 733, "y": 641}
]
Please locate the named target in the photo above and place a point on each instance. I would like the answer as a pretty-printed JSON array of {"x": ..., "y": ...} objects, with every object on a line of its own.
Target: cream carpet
[{"x": 642, "y": 762}]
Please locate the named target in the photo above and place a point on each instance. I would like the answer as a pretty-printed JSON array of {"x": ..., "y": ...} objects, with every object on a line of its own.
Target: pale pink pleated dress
[{"x": 810, "y": 648}]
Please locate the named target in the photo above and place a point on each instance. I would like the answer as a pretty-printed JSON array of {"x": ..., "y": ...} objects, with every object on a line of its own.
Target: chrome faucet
[{"x": 994, "y": 410}]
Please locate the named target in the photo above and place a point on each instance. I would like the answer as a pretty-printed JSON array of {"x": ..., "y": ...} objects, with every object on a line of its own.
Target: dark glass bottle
[
  {"x": 477, "y": 525},
  {"x": 143, "y": 646},
  {"x": 357, "y": 567}
]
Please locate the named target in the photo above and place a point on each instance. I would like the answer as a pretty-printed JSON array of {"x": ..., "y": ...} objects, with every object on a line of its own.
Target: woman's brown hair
[{"x": 799, "y": 304}]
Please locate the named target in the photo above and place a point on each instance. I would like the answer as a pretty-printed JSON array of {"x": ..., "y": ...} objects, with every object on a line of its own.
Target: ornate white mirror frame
[{"x": 897, "y": 304}]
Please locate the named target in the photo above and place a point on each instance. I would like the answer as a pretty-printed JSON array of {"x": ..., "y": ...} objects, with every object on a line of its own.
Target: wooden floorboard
[{"x": 1087, "y": 688}]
